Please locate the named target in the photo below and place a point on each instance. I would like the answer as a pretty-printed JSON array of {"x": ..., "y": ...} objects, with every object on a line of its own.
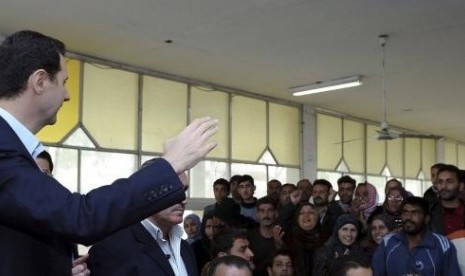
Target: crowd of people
[{"x": 308, "y": 229}]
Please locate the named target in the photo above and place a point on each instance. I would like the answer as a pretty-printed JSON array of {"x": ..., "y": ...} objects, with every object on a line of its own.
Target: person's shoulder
[{"x": 443, "y": 242}]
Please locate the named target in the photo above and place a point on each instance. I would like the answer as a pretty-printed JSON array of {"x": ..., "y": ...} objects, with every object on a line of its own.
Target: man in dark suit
[
  {"x": 39, "y": 218},
  {"x": 152, "y": 247}
]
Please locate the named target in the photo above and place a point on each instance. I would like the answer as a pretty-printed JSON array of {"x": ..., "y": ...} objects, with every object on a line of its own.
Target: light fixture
[{"x": 326, "y": 86}]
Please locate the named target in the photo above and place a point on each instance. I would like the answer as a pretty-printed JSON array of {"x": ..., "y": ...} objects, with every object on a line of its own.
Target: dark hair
[
  {"x": 462, "y": 176},
  {"x": 417, "y": 201},
  {"x": 450, "y": 168},
  {"x": 280, "y": 252},
  {"x": 23, "y": 53},
  {"x": 221, "y": 181},
  {"x": 346, "y": 179},
  {"x": 274, "y": 181},
  {"x": 246, "y": 178},
  {"x": 228, "y": 260},
  {"x": 438, "y": 165},
  {"x": 45, "y": 155},
  {"x": 323, "y": 182},
  {"x": 235, "y": 178},
  {"x": 394, "y": 180},
  {"x": 224, "y": 241},
  {"x": 267, "y": 200},
  {"x": 345, "y": 263}
]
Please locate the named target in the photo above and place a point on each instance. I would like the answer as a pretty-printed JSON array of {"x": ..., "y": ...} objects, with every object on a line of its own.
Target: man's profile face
[
  {"x": 54, "y": 94},
  {"x": 241, "y": 249}
]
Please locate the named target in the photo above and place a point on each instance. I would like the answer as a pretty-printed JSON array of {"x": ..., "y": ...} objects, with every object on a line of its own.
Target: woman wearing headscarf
[
  {"x": 365, "y": 201},
  {"x": 306, "y": 238},
  {"x": 192, "y": 227},
  {"x": 343, "y": 242},
  {"x": 392, "y": 205}
]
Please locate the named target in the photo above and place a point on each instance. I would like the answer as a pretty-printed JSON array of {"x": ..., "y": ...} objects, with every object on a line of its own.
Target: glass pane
[
  {"x": 258, "y": 172},
  {"x": 110, "y": 110},
  {"x": 376, "y": 151},
  {"x": 354, "y": 146},
  {"x": 379, "y": 182},
  {"x": 102, "y": 168},
  {"x": 329, "y": 141},
  {"x": 164, "y": 112},
  {"x": 65, "y": 167},
  {"x": 395, "y": 157},
  {"x": 80, "y": 139},
  {"x": 414, "y": 186},
  {"x": 267, "y": 158},
  {"x": 285, "y": 133},
  {"x": 203, "y": 175},
  {"x": 248, "y": 128},
  {"x": 330, "y": 176},
  {"x": 412, "y": 157},
  {"x": 68, "y": 116},
  {"x": 216, "y": 105},
  {"x": 461, "y": 156},
  {"x": 428, "y": 154},
  {"x": 450, "y": 153},
  {"x": 284, "y": 174}
]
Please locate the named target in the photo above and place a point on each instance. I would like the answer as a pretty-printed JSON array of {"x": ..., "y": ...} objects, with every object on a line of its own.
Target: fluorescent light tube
[{"x": 326, "y": 86}]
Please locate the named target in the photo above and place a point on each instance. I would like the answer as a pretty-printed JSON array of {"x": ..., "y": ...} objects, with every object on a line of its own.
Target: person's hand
[
  {"x": 80, "y": 266},
  {"x": 191, "y": 145},
  {"x": 295, "y": 196},
  {"x": 278, "y": 234}
]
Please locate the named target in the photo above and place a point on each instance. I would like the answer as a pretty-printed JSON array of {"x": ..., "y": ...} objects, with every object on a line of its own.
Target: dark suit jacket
[
  {"x": 133, "y": 251},
  {"x": 39, "y": 218}
]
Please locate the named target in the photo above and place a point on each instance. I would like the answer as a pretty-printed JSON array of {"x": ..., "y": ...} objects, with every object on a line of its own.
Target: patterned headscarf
[{"x": 372, "y": 202}]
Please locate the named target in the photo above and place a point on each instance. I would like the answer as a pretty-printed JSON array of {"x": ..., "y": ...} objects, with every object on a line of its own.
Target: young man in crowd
[
  {"x": 220, "y": 191},
  {"x": 415, "y": 250},
  {"x": 248, "y": 202}
]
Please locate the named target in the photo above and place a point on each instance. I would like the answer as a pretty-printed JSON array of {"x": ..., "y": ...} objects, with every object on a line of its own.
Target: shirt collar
[
  {"x": 175, "y": 231},
  {"x": 30, "y": 142}
]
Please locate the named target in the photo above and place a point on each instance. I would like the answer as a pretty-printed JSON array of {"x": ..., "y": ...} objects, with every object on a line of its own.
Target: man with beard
[
  {"x": 261, "y": 239},
  {"x": 152, "y": 247},
  {"x": 432, "y": 194},
  {"x": 320, "y": 194},
  {"x": 415, "y": 250},
  {"x": 448, "y": 214},
  {"x": 346, "y": 188},
  {"x": 272, "y": 189}
]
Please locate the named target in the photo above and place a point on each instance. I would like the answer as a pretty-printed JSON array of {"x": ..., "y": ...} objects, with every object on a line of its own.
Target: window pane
[
  {"x": 258, "y": 172},
  {"x": 450, "y": 153},
  {"x": 110, "y": 106},
  {"x": 354, "y": 146},
  {"x": 164, "y": 111},
  {"x": 329, "y": 141},
  {"x": 285, "y": 133},
  {"x": 330, "y": 176},
  {"x": 428, "y": 154},
  {"x": 65, "y": 167},
  {"x": 102, "y": 168},
  {"x": 461, "y": 156},
  {"x": 412, "y": 157},
  {"x": 203, "y": 175},
  {"x": 216, "y": 105},
  {"x": 284, "y": 174},
  {"x": 395, "y": 157},
  {"x": 248, "y": 118},
  {"x": 376, "y": 151},
  {"x": 414, "y": 186}
]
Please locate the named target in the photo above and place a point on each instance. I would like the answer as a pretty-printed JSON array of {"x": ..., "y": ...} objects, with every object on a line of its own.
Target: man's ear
[
  {"x": 37, "y": 80},
  {"x": 270, "y": 272}
]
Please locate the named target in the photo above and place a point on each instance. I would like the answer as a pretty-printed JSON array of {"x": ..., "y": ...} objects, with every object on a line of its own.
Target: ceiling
[{"x": 267, "y": 46}]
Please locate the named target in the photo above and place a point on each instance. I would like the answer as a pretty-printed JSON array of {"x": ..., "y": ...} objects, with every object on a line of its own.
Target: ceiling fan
[{"x": 385, "y": 132}]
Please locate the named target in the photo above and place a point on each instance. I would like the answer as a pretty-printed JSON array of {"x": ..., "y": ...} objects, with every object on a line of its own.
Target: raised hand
[
  {"x": 80, "y": 267},
  {"x": 191, "y": 145}
]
